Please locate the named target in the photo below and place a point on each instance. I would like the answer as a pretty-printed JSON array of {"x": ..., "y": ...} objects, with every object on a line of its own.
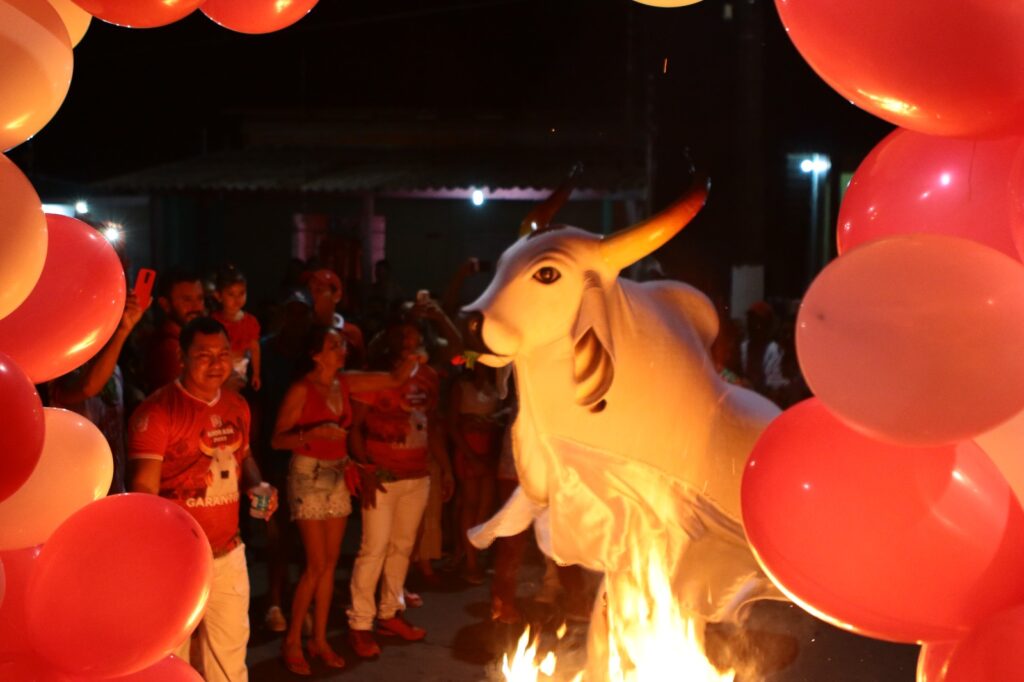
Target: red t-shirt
[
  {"x": 396, "y": 424},
  {"x": 241, "y": 332},
  {"x": 316, "y": 412},
  {"x": 202, "y": 446}
]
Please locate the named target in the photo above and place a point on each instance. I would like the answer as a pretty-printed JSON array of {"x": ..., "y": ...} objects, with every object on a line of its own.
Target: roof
[{"x": 450, "y": 173}]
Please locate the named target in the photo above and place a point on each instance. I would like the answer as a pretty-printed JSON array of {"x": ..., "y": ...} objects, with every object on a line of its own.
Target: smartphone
[{"x": 143, "y": 288}]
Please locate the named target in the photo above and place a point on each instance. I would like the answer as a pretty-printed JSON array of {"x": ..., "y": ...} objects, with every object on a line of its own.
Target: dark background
[{"x": 717, "y": 85}]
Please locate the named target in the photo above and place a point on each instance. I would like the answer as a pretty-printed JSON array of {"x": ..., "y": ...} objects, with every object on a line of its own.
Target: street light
[
  {"x": 477, "y": 197},
  {"x": 112, "y": 232},
  {"x": 817, "y": 166}
]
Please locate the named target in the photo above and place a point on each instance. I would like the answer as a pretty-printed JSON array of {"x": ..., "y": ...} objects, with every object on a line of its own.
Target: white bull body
[{"x": 626, "y": 438}]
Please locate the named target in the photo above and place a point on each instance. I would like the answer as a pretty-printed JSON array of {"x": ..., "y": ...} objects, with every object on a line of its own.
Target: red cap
[{"x": 327, "y": 277}]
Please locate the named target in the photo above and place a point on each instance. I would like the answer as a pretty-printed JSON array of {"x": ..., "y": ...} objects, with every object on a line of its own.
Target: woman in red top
[{"x": 313, "y": 423}]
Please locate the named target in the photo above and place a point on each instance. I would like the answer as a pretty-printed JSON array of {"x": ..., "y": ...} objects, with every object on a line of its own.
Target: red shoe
[
  {"x": 363, "y": 643},
  {"x": 399, "y": 627}
]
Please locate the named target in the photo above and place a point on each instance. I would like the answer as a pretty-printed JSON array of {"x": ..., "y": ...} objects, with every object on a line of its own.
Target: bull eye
[{"x": 547, "y": 275}]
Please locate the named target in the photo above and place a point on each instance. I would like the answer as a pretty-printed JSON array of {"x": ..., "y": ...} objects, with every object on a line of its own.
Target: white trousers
[
  {"x": 389, "y": 533},
  {"x": 223, "y": 634}
]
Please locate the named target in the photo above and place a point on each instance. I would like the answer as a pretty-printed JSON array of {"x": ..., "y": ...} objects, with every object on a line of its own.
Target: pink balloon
[
  {"x": 256, "y": 16},
  {"x": 938, "y": 66},
  {"x": 904, "y": 544},
  {"x": 916, "y": 339},
  {"x": 74, "y": 308},
  {"x": 21, "y": 439},
  {"x": 118, "y": 586},
  {"x": 36, "y": 53},
  {"x": 992, "y": 651},
  {"x": 139, "y": 13},
  {"x": 933, "y": 661},
  {"x": 75, "y": 468},
  {"x": 23, "y": 238},
  {"x": 920, "y": 183},
  {"x": 18, "y": 567}
]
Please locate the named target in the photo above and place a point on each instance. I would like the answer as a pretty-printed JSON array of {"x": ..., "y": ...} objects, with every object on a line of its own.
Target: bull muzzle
[{"x": 472, "y": 328}]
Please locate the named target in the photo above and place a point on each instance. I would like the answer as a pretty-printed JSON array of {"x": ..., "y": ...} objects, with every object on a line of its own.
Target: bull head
[{"x": 555, "y": 281}]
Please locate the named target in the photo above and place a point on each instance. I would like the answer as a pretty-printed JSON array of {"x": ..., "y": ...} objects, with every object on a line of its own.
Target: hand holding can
[{"x": 261, "y": 500}]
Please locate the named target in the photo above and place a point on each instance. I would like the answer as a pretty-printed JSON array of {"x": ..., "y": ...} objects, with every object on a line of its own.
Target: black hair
[
  {"x": 227, "y": 276},
  {"x": 176, "y": 275},
  {"x": 312, "y": 344},
  {"x": 199, "y": 325}
]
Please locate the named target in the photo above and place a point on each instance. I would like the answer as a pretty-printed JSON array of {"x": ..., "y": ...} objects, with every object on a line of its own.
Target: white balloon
[{"x": 74, "y": 469}]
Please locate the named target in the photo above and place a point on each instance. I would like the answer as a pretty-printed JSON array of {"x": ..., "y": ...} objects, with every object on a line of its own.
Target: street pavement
[{"x": 780, "y": 643}]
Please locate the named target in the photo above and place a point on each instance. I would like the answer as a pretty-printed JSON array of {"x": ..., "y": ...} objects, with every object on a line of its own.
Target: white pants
[
  {"x": 389, "y": 533},
  {"x": 223, "y": 634}
]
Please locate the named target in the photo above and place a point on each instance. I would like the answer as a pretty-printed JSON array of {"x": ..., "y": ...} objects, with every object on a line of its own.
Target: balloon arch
[{"x": 889, "y": 504}]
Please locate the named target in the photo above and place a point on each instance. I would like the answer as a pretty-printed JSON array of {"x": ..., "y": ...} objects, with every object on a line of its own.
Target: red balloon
[
  {"x": 18, "y": 567},
  {"x": 170, "y": 669},
  {"x": 139, "y": 13},
  {"x": 21, "y": 438},
  {"x": 933, "y": 661},
  {"x": 26, "y": 667},
  {"x": 74, "y": 308},
  {"x": 993, "y": 651},
  {"x": 899, "y": 543},
  {"x": 118, "y": 586},
  {"x": 921, "y": 183},
  {"x": 941, "y": 67},
  {"x": 256, "y": 16}
]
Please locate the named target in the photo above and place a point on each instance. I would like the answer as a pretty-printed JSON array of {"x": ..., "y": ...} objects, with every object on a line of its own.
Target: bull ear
[{"x": 593, "y": 352}]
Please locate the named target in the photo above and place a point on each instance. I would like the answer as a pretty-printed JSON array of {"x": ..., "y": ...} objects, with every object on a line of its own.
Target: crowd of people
[{"x": 318, "y": 408}]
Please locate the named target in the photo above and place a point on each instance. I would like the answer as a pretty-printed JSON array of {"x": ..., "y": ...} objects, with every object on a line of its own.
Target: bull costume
[{"x": 626, "y": 439}]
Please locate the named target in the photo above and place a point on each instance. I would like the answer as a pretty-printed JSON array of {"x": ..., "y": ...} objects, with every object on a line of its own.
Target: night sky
[{"x": 141, "y": 97}]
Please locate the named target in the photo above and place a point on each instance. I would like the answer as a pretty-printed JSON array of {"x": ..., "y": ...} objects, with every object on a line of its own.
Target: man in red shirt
[
  {"x": 181, "y": 301},
  {"x": 189, "y": 442}
]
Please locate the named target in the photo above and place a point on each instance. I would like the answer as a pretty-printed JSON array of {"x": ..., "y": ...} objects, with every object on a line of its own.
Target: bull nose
[{"x": 473, "y": 331}]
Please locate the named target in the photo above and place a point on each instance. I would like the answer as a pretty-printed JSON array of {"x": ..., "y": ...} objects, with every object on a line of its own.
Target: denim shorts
[{"x": 316, "y": 488}]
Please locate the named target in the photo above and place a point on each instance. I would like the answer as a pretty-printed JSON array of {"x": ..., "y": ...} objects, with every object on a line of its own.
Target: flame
[{"x": 650, "y": 638}]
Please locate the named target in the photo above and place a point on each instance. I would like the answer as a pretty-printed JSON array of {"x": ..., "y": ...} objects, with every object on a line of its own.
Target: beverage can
[{"x": 259, "y": 506}]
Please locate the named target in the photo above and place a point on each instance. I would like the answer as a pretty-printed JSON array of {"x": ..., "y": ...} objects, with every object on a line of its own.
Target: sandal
[
  {"x": 294, "y": 661},
  {"x": 327, "y": 655}
]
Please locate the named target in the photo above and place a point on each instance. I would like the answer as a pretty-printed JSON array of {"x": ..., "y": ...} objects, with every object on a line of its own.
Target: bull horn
[
  {"x": 539, "y": 218},
  {"x": 630, "y": 244}
]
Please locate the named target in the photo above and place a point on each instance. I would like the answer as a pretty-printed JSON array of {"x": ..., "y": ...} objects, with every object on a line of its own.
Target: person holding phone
[{"x": 180, "y": 300}]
